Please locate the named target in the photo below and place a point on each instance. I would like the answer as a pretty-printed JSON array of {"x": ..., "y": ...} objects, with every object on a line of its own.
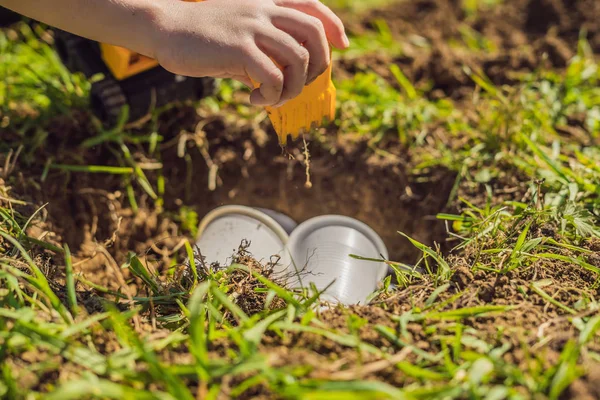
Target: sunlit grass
[{"x": 195, "y": 309}]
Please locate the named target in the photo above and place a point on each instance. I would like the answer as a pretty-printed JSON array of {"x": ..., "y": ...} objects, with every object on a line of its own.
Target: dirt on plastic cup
[
  {"x": 224, "y": 229},
  {"x": 320, "y": 250}
]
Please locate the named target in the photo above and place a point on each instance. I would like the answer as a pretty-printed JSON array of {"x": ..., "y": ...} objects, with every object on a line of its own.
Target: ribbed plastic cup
[
  {"x": 320, "y": 249},
  {"x": 222, "y": 230}
]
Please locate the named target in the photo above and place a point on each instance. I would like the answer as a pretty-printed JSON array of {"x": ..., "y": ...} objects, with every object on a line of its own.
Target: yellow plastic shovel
[{"x": 307, "y": 111}]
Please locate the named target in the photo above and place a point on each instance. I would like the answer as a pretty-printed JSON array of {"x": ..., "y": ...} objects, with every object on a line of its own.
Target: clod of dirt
[
  {"x": 461, "y": 277},
  {"x": 244, "y": 285},
  {"x": 544, "y": 14},
  {"x": 487, "y": 292}
]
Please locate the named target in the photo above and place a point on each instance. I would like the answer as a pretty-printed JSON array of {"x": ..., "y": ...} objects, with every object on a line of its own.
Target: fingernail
[{"x": 346, "y": 41}]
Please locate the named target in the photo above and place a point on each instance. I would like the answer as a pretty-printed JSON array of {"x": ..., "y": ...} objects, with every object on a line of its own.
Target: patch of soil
[
  {"x": 526, "y": 34},
  {"x": 92, "y": 213},
  {"x": 374, "y": 190}
]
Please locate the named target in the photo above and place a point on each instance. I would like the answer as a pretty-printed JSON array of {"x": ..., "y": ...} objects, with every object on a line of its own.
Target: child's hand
[{"x": 239, "y": 39}]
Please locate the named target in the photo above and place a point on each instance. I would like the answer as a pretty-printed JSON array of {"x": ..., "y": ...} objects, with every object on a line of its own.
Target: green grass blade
[
  {"x": 430, "y": 252},
  {"x": 520, "y": 241},
  {"x": 568, "y": 259},
  {"x": 420, "y": 373},
  {"x": 94, "y": 169},
  {"x": 139, "y": 270},
  {"x": 102, "y": 389},
  {"x": 228, "y": 304},
  {"x": 403, "y": 81},
  {"x": 70, "y": 281},
  {"x": 83, "y": 325},
  {"x": 256, "y": 333},
  {"x": 198, "y": 335},
  {"x": 359, "y": 390},
  {"x": 567, "y": 372},
  {"x": 537, "y": 287},
  {"x": 591, "y": 328},
  {"x": 433, "y": 297},
  {"x": 192, "y": 261}
]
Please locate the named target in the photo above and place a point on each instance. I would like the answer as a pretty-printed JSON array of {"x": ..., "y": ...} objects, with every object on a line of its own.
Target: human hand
[{"x": 282, "y": 45}]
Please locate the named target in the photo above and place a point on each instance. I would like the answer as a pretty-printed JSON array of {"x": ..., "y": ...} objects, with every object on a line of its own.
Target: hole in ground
[
  {"x": 381, "y": 195},
  {"x": 84, "y": 210}
]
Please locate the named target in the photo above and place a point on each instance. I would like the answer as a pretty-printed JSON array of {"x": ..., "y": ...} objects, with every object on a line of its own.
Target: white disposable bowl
[
  {"x": 320, "y": 249},
  {"x": 222, "y": 230}
]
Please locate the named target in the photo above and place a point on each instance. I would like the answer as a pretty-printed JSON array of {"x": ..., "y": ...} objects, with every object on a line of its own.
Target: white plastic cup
[
  {"x": 287, "y": 223},
  {"x": 320, "y": 250},
  {"x": 224, "y": 229}
]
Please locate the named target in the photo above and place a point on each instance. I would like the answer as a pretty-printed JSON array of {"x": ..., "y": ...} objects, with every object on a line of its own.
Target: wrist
[
  {"x": 152, "y": 18},
  {"x": 170, "y": 32}
]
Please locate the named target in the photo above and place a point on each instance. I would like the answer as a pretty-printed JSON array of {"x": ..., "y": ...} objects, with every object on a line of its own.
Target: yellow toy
[{"x": 301, "y": 114}]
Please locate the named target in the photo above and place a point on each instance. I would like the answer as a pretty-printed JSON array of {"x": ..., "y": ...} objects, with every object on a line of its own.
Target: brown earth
[
  {"x": 526, "y": 35},
  {"x": 91, "y": 212}
]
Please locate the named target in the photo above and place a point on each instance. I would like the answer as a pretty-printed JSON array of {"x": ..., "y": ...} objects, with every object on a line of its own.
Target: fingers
[
  {"x": 294, "y": 51},
  {"x": 260, "y": 68},
  {"x": 243, "y": 79},
  {"x": 292, "y": 58},
  {"x": 334, "y": 27},
  {"x": 310, "y": 32}
]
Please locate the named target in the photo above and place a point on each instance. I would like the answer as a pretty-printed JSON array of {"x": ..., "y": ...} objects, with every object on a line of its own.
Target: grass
[
  {"x": 35, "y": 83},
  {"x": 378, "y": 41},
  {"x": 196, "y": 331}
]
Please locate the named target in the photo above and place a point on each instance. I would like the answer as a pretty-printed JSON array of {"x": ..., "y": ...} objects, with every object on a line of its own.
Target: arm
[
  {"x": 125, "y": 23},
  {"x": 281, "y": 44}
]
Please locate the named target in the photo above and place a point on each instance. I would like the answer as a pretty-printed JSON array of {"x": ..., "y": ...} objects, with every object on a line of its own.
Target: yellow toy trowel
[{"x": 307, "y": 111}]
